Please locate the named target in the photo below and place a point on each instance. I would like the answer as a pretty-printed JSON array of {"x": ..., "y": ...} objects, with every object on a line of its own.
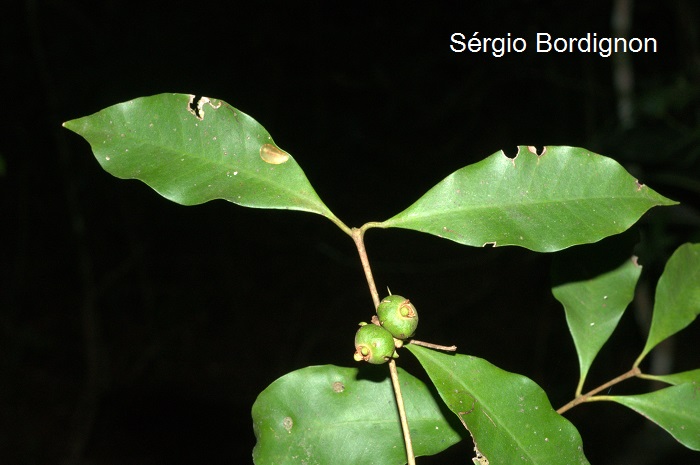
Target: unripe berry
[
  {"x": 373, "y": 344},
  {"x": 398, "y": 315}
]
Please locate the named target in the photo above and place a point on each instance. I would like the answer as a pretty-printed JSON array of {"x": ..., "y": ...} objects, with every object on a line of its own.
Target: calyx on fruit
[
  {"x": 374, "y": 344},
  {"x": 398, "y": 315}
]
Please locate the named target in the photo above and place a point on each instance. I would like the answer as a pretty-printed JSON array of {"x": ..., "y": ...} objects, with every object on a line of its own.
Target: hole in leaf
[
  {"x": 195, "y": 106},
  {"x": 537, "y": 150},
  {"x": 511, "y": 153}
]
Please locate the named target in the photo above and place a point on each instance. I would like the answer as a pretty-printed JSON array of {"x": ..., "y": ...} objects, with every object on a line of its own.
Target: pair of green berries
[{"x": 377, "y": 343}]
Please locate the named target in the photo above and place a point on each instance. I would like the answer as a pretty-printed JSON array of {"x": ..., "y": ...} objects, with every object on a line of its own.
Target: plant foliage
[
  {"x": 328, "y": 414},
  {"x": 192, "y": 150},
  {"x": 508, "y": 415},
  {"x": 594, "y": 307},
  {"x": 563, "y": 197}
]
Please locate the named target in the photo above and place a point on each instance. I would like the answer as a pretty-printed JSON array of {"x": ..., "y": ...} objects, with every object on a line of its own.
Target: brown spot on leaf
[
  {"x": 273, "y": 155},
  {"x": 338, "y": 387}
]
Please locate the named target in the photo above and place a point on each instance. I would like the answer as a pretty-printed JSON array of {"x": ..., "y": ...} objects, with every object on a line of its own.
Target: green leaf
[
  {"x": 594, "y": 307},
  {"x": 508, "y": 415},
  {"x": 564, "y": 197},
  {"x": 691, "y": 376},
  {"x": 677, "y": 301},
  {"x": 332, "y": 415},
  {"x": 676, "y": 409},
  {"x": 191, "y": 157}
]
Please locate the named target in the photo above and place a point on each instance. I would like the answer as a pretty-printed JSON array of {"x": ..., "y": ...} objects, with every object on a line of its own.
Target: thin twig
[
  {"x": 357, "y": 236},
  {"x": 402, "y": 412},
  {"x": 587, "y": 396},
  {"x": 430, "y": 345}
]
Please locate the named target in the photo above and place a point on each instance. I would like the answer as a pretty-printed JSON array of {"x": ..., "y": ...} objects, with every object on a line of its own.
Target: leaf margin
[{"x": 489, "y": 170}]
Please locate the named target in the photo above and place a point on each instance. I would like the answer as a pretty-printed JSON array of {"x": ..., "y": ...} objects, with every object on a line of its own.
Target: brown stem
[
  {"x": 585, "y": 397},
  {"x": 357, "y": 236},
  {"x": 402, "y": 412},
  {"x": 430, "y": 345}
]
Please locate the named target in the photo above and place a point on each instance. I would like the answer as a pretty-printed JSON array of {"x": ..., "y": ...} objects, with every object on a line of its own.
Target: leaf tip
[
  {"x": 70, "y": 125},
  {"x": 662, "y": 200}
]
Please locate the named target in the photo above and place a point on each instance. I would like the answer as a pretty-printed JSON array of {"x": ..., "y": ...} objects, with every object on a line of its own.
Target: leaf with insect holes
[
  {"x": 193, "y": 151},
  {"x": 563, "y": 197}
]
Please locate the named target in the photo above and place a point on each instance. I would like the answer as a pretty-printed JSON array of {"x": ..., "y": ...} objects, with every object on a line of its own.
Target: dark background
[{"x": 137, "y": 331}]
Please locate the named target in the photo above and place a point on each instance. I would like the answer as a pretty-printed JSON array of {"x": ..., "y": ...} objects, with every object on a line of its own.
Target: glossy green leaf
[
  {"x": 332, "y": 415},
  {"x": 594, "y": 307},
  {"x": 508, "y": 415},
  {"x": 677, "y": 301},
  {"x": 192, "y": 157},
  {"x": 564, "y": 197},
  {"x": 676, "y": 409},
  {"x": 691, "y": 376}
]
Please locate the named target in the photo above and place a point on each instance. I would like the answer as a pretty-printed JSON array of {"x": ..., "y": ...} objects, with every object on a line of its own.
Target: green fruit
[
  {"x": 398, "y": 315},
  {"x": 373, "y": 344}
]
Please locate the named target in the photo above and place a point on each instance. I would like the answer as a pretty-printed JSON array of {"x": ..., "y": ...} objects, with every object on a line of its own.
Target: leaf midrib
[{"x": 197, "y": 157}]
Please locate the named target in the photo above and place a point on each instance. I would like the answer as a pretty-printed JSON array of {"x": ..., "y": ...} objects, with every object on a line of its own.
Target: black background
[{"x": 137, "y": 331}]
